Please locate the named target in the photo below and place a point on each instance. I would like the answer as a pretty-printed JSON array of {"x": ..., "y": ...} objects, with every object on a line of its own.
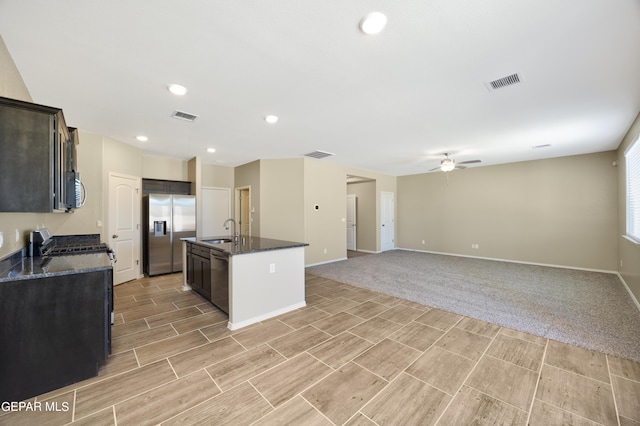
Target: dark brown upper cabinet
[{"x": 36, "y": 151}]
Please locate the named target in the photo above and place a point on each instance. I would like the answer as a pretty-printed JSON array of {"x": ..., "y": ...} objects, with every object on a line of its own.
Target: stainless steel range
[{"x": 42, "y": 243}]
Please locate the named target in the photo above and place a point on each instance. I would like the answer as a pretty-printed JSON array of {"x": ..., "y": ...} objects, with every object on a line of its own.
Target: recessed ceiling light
[
  {"x": 211, "y": 150},
  {"x": 373, "y": 23},
  {"x": 177, "y": 89},
  {"x": 271, "y": 119},
  {"x": 142, "y": 138}
]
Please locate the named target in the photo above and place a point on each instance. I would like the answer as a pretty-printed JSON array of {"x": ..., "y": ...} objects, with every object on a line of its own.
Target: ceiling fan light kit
[{"x": 449, "y": 164}]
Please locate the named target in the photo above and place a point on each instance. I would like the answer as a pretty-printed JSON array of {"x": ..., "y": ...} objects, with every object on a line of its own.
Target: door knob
[{"x": 114, "y": 236}]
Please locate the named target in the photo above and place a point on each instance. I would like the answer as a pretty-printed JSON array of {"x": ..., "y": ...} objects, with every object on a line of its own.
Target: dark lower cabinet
[
  {"x": 54, "y": 331},
  {"x": 208, "y": 274},
  {"x": 199, "y": 269}
]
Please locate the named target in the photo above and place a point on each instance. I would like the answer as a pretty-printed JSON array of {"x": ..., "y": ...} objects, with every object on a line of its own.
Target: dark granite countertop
[
  {"x": 26, "y": 268},
  {"x": 246, "y": 244}
]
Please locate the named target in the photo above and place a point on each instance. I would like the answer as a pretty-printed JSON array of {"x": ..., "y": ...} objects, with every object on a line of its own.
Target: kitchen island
[{"x": 251, "y": 279}]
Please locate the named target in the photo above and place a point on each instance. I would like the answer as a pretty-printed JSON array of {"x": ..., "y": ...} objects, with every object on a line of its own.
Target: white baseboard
[
  {"x": 369, "y": 251},
  {"x": 633, "y": 297},
  {"x": 550, "y": 265},
  {"x": 237, "y": 325},
  {"x": 324, "y": 263}
]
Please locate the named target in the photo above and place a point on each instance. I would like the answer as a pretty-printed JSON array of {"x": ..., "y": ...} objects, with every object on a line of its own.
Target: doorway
[
  {"x": 124, "y": 225},
  {"x": 362, "y": 211},
  {"x": 243, "y": 210}
]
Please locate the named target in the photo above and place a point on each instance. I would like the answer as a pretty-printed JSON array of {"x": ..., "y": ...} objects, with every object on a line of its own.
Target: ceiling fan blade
[
  {"x": 468, "y": 162},
  {"x": 458, "y": 166},
  {"x": 434, "y": 169}
]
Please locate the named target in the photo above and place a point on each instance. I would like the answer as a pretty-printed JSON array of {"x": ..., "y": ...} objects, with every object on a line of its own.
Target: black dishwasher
[{"x": 220, "y": 280}]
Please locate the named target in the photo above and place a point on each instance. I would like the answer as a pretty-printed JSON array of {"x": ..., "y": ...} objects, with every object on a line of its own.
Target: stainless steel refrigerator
[{"x": 166, "y": 219}]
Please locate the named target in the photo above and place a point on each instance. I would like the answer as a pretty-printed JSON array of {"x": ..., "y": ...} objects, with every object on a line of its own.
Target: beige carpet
[{"x": 588, "y": 309}]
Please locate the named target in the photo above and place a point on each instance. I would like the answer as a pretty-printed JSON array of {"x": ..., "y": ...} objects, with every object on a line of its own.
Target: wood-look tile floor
[{"x": 350, "y": 357}]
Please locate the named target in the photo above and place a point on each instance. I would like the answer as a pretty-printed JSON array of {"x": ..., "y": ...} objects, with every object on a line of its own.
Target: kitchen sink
[{"x": 218, "y": 241}]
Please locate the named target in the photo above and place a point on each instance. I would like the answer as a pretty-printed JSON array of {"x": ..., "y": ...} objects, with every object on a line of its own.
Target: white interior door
[
  {"x": 216, "y": 208},
  {"x": 351, "y": 221},
  {"x": 387, "y": 221},
  {"x": 124, "y": 226}
]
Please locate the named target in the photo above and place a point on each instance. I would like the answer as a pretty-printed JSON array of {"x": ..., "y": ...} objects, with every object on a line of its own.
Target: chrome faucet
[{"x": 235, "y": 233}]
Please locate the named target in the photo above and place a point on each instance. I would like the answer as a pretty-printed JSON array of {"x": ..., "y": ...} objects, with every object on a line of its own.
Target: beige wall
[
  {"x": 282, "y": 199},
  {"x": 559, "y": 211},
  {"x": 325, "y": 185},
  {"x": 11, "y": 83},
  {"x": 217, "y": 176},
  {"x": 628, "y": 251},
  {"x": 154, "y": 167}
]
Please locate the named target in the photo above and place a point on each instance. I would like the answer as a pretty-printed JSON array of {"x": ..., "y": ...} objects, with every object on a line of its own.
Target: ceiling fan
[{"x": 449, "y": 163}]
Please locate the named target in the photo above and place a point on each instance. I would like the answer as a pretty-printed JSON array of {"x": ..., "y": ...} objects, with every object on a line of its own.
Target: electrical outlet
[
  {"x": 422, "y": 242},
  {"x": 272, "y": 268},
  {"x": 325, "y": 251}
]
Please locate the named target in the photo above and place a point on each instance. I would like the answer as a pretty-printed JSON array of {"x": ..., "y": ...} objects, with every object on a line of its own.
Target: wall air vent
[
  {"x": 319, "y": 154},
  {"x": 500, "y": 83},
  {"x": 184, "y": 116}
]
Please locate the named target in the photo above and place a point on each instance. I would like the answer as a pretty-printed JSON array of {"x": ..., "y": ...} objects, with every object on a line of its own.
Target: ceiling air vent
[
  {"x": 509, "y": 80},
  {"x": 319, "y": 154},
  {"x": 184, "y": 116}
]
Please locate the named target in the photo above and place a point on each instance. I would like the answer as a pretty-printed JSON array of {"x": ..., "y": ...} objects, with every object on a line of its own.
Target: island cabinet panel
[
  {"x": 53, "y": 332},
  {"x": 265, "y": 284},
  {"x": 199, "y": 269}
]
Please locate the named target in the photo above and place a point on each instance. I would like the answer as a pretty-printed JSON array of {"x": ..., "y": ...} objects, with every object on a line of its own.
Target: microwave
[
  {"x": 69, "y": 191},
  {"x": 75, "y": 191}
]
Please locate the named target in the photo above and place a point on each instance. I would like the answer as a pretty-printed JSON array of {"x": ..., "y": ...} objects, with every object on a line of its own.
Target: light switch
[{"x": 272, "y": 268}]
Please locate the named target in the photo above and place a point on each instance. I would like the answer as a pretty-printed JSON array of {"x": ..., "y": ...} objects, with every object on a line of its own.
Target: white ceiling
[{"x": 392, "y": 102}]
